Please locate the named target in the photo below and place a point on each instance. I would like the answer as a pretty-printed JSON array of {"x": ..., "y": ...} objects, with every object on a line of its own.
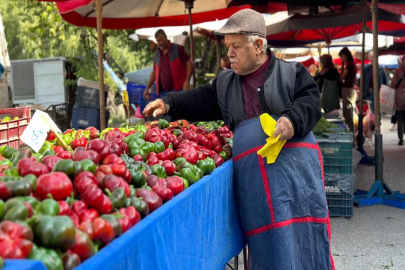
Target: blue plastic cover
[{"x": 198, "y": 229}]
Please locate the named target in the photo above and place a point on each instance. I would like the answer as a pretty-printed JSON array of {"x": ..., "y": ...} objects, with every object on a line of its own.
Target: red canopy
[{"x": 125, "y": 14}]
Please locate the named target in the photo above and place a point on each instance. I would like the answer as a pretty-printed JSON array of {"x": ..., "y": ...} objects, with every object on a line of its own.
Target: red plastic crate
[{"x": 11, "y": 131}]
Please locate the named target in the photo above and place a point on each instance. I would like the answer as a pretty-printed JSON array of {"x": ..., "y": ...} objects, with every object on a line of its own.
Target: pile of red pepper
[{"x": 62, "y": 206}]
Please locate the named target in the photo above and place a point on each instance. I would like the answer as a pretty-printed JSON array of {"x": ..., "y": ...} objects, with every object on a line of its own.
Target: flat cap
[{"x": 245, "y": 22}]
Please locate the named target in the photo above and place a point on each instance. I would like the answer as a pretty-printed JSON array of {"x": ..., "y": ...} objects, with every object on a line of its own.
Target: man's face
[
  {"x": 162, "y": 42},
  {"x": 241, "y": 53}
]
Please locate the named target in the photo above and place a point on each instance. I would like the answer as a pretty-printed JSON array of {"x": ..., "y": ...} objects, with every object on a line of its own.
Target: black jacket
[{"x": 289, "y": 91}]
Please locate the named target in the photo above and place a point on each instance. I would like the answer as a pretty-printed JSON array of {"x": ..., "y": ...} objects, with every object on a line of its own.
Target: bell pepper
[
  {"x": 203, "y": 141},
  {"x": 153, "y": 180},
  {"x": 7, "y": 151},
  {"x": 2, "y": 209},
  {"x": 224, "y": 155},
  {"x": 65, "y": 155},
  {"x": 17, "y": 188},
  {"x": 169, "y": 166},
  {"x": 50, "y": 161},
  {"x": 88, "y": 166},
  {"x": 138, "y": 157},
  {"x": 80, "y": 142},
  {"x": 191, "y": 175},
  {"x": 58, "y": 149},
  {"x": 104, "y": 148},
  {"x": 95, "y": 198},
  {"x": 75, "y": 219},
  {"x": 49, "y": 152},
  {"x": 199, "y": 170},
  {"x": 164, "y": 193},
  {"x": 140, "y": 205},
  {"x": 139, "y": 146},
  {"x": 29, "y": 199},
  {"x": 112, "y": 219},
  {"x": 131, "y": 137},
  {"x": 138, "y": 178},
  {"x": 159, "y": 147},
  {"x": 177, "y": 161},
  {"x": 93, "y": 133},
  {"x": 217, "y": 159},
  {"x": 80, "y": 155},
  {"x": 88, "y": 215},
  {"x": 20, "y": 154},
  {"x": 112, "y": 182},
  {"x": 48, "y": 257},
  {"x": 54, "y": 231},
  {"x": 56, "y": 183},
  {"x": 83, "y": 246},
  {"x": 207, "y": 165},
  {"x": 176, "y": 184},
  {"x": 152, "y": 159},
  {"x": 83, "y": 180},
  {"x": 118, "y": 197},
  {"x": 113, "y": 159},
  {"x": 45, "y": 147},
  {"x": 14, "y": 210},
  {"x": 100, "y": 229},
  {"x": 140, "y": 128},
  {"x": 132, "y": 214},
  {"x": 163, "y": 123},
  {"x": 78, "y": 168},
  {"x": 168, "y": 154},
  {"x": 78, "y": 207},
  {"x": 48, "y": 207},
  {"x": 188, "y": 152},
  {"x": 124, "y": 221},
  {"x": 201, "y": 155},
  {"x": 150, "y": 197},
  {"x": 28, "y": 166},
  {"x": 5, "y": 162},
  {"x": 185, "y": 164},
  {"x": 11, "y": 172},
  {"x": 159, "y": 171},
  {"x": 15, "y": 240},
  {"x": 67, "y": 138},
  {"x": 153, "y": 135},
  {"x": 119, "y": 170},
  {"x": 70, "y": 261},
  {"x": 178, "y": 132},
  {"x": 64, "y": 208}
]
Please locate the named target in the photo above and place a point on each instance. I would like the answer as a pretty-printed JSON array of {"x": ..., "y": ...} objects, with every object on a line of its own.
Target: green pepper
[
  {"x": 188, "y": 174},
  {"x": 159, "y": 147},
  {"x": 177, "y": 161},
  {"x": 199, "y": 170},
  {"x": 163, "y": 123},
  {"x": 1, "y": 209},
  {"x": 208, "y": 126},
  {"x": 224, "y": 155},
  {"x": 7, "y": 151},
  {"x": 11, "y": 172},
  {"x": 140, "y": 128},
  {"x": 46, "y": 146},
  {"x": 67, "y": 138},
  {"x": 29, "y": 199},
  {"x": 65, "y": 165},
  {"x": 78, "y": 168},
  {"x": 159, "y": 171},
  {"x": 48, "y": 257},
  {"x": 131, "y": 137},
  {"x": 140, "y": 205},
  {"x": 170, "y": 146},
  {"x": 54, "y": 232},
  {"x": 24, "y": 152},
  {"x": 185, "y": 182},
  {"x": 48, "y": 207},
  {"x": 1, "y": 263},
  {"x": 32, "y": 179},
  {"x": 9, "y": 178},
  {"x": 177, "y": 132},
  {"x": 114, "y": 224},
  {"x": 138, "y": 178},
  {"x": 37, "y": 156},
  {"x": 221, "y": 123},
  {"x": 5, "y": 162},
  {"x": 88, "y": 166},
  {"x": 207, "y": 165},
  {"x": 185, "y": 164},
  {"x": 118, "y": 197},
  {"x": 14, "y": 209},
  {"x": 18, "y": 188},
  {"x": 139, "y": 146},
  {"x": 48, "y": 152}
]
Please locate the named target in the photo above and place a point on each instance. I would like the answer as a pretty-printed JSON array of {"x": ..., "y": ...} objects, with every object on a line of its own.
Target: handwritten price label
[{"x": 125, "y": 98}]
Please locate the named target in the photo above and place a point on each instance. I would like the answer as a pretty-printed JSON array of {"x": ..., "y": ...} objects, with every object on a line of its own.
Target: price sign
[
  {"x": 125, "y": 98},
  {"x": 37, "y": 130}
]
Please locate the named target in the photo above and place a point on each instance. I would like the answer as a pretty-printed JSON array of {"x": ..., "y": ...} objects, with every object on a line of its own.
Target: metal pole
[
  {"x": 100, "y": 64},
  {"x": 378, "y": 135},
  {"x": 218, "y": 50},
  {"x": 190, "y": 18},
  {"x": 360, "y": 122}
]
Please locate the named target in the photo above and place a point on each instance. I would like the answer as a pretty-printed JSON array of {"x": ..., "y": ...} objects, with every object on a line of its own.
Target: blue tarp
[{"x": 198, "y": 229}]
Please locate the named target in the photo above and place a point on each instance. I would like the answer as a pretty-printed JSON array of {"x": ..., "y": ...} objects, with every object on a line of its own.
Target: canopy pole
[
  {"x": 360, "y": 122},
  {"x": 378, "y": 135},
  {"x": 100, "y": 64},
  {"x": 190, "y": 18},
  {"x": 218, "y": 50}
]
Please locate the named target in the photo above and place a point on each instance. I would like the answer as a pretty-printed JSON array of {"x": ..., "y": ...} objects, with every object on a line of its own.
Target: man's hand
[
  {"x": 155, "y": 108},
  {"x": 146, "y": 94},
  {"x": 285, "y": 128},
  {"x": 186, "y": 85}
]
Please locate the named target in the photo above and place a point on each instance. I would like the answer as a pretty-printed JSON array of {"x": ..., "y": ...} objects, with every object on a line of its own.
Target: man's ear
[{"x": 259, "y": 46}]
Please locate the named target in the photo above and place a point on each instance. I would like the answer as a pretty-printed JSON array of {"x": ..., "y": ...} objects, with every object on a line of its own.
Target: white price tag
[{"x": 37, "y": 130}]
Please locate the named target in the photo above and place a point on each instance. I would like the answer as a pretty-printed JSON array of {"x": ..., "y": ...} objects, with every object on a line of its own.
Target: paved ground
[{"x": 374, "y": 237}]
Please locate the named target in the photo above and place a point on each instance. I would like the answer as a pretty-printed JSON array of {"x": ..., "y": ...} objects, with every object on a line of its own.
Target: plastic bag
[
  {"x": 340, "y": 183},
  {"x": 387, "y": 100}
]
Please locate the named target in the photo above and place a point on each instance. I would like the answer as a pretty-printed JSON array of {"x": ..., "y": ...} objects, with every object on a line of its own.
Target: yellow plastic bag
[{"x": 273, "y": 146}]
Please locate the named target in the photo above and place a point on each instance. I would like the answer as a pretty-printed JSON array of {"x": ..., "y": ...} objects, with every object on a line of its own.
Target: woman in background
[
  {"x": 328, "y": 82},
  {"x": 398, "y": 83}
]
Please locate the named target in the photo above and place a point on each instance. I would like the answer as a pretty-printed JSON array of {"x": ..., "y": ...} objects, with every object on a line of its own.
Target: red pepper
[
  {"x": 176, "y": 184},
  {"x": 188, "y": 135},
  {"x": 79, "y": 155},
  {"x": 88, "y": 215},
  {"x": 113, "y": 159},
  {"x": 119, "y": 141},
  {"x": 58, "y": 149},
  {"x": 216, "y": 144},
  {"x": 138, "y": 157},
  {"x": 83, "y": 180},
  {"x": 95, "y": 198},
  {"x": 217, "y": 159},
  {"x": 100, "y": 229},
  {"x": 28, "y": 166},
  {"x": 3, "y": 191},
  {"x": 93, "y": 133},
  {"x": 64, "y": 208},
  {"x": 65, "y": 155},
  {"x": 192, "y": 127},
  {"x": 112, "y": 182},
  {"x": 164, "y": 193},
  {"x": 152, "y": 160},
  {"x": 106, "y": 169},
  {"x": 128, "y": 176},
  {"x": 174, "y": 140},
  {"x": 133, "y": 215},
  {"x": 50, "y": 161},
  {"x": 78, "y": 207},
  {"x": 83, "y": 247},
  {"x": 168, "y": 154},
  {"x": 192, "y": 144},
  {"x": 51, "y": 136},
  {"x": 15, "y": 240},
  {"x": 202, "y": 140},
  {"x": 207, "y": 152},
  {"x": 30, "y": 209},
  {"x": 104, "y": 148},
  {"x": 80, "y": 142},
  {"x": 202, "y": 130},
  {"x": 119, "y": 170},
  {"x": 153, "y": 135},
  {"x": 75, "y": 219},
  {"x": 169, "y": 166},
  {"x": 152, "y": 180},
  {"x": 57, "y": 184},
  {"x": 124, "y": 222},
  {"x": 188, "y": 152},
  {"x": 201, "y": 155},
  {"x": 150, "y": 197}
]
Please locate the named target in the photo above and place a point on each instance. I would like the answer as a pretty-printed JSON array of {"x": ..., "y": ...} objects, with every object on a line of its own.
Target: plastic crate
[
  {"x": 60, "y": 114},
  {"x": 88, "y": 97},
  {"x": 340, "y": 204},
  {"x": 337, "y": 153},
  {"x": 84, "y": 117},
  {"x": 11, "y": 131},
  {"x": 135, "y": 92}
]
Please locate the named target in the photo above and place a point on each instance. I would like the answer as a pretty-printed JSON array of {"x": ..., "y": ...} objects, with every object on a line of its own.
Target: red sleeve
[{"x": 183, "y": 55}]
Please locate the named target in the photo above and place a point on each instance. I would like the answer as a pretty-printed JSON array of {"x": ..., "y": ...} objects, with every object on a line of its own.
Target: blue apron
[{"x": 282, "y": 206}]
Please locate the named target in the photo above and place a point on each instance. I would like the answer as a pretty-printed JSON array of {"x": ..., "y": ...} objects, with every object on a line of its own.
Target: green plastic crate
[{"x": 337, "y": 153}]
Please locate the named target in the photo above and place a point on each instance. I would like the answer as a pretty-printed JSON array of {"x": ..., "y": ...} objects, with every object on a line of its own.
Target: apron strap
[{"x": 262, "y": 100}]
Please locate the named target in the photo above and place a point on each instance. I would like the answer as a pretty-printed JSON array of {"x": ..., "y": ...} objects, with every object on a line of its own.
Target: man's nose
[{"x": 231, "y": 52}]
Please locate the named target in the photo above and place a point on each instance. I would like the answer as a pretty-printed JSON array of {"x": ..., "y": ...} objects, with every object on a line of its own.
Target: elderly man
[{"x": 282, "y": 205}]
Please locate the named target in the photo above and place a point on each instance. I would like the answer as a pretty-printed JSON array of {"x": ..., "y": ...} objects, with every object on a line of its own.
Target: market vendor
[
  {"x": 281, "y": 198},
  {"x": 172, "y": 67}
]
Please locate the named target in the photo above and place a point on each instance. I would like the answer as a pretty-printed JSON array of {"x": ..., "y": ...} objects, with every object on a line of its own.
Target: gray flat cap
[{"x": 245, "y": 22}]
